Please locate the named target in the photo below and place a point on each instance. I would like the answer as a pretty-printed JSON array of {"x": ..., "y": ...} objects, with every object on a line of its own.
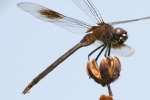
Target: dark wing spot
[{"x": 51, "y": 14}]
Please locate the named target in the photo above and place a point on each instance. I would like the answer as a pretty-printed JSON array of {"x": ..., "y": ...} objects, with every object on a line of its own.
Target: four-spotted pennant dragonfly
[{"x": 110, "y": 38}]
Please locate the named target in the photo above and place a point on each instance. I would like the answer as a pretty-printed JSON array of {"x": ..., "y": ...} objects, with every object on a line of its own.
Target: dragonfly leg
[
  {"x": 108, "y": 50},
  {"x": 100, "y": 52},
  {"x": 94, "y": 51}
]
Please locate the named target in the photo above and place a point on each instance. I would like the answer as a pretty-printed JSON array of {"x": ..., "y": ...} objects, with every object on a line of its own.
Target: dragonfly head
[{"x": 119, "y": 36}]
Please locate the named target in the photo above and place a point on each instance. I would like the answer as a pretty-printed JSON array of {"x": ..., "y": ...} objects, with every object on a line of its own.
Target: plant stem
[{"x": 109, "y": 90}]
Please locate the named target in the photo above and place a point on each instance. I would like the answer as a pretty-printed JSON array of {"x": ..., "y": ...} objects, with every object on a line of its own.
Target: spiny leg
[
  {"x": 94, "y": 51},
  {"x": 100, "y": 52},
  {"x": 108, "y": 50}
]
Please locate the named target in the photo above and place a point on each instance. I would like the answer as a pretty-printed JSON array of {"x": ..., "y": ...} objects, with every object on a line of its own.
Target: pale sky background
[{"x": 29, "y": 45}]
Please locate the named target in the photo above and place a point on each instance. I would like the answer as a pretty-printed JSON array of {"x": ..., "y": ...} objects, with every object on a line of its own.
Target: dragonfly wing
[
  {"x": 98, "y": 43},
  {"x": 124, "y": 51},
  {"x": 89, "y": 9},
  {"x": 129, "y": 21},
  {"x": 54, "y": 17}
]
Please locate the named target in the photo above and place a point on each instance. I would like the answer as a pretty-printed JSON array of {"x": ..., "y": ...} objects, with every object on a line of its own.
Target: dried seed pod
[
  {"x": 94, "y": 72},
  {"x": 110, "y": 68},
  {"x": 103, "y": 97},
  {"x": 107, "y": 72}
]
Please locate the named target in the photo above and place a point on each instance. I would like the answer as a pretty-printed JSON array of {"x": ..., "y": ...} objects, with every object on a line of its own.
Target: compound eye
[
  {"x": 120, "y": 35},
  {"x": 125, "y": 35},
  {"x": 118, "y": 30},
  {"x": 121, "y": 32}
]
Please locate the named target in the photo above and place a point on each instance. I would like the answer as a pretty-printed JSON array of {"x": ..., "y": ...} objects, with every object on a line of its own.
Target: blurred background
[{"x": 28, "y": 46}]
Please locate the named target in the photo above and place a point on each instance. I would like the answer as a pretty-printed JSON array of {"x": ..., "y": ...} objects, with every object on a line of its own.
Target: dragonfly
[{"x": 108, "y": 37}]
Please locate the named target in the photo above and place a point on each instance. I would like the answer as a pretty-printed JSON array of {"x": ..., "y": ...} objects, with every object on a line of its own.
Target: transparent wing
[
  {"x": 124, "y": 50},
  {"x": 54, "y": 17},
  {"x": 89, "y": 9},
  {"x": 130, "y": 20},
  {"x": 98, "y": 43}
]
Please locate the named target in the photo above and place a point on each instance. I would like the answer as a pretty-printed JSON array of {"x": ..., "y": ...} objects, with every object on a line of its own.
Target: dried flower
[
  {"x": 105, "y": 73},
  {"x": 110, "y": 68},
  {"x": 94, "y": 72}
]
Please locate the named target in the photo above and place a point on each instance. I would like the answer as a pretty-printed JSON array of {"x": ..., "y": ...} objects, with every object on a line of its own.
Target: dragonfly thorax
[
  {"x": 102, "y": 32},
  {"x": 108, "y": 34}
]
